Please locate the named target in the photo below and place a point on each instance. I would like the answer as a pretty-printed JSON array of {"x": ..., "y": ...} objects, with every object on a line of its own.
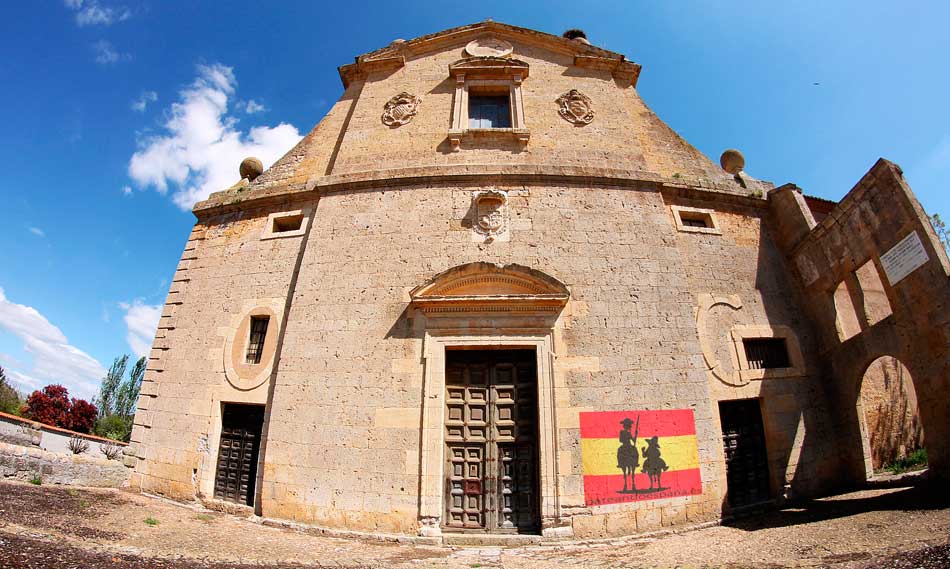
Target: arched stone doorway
[
  {"x": 887, "y": 409},
  {"x": 506, "y": 314}
]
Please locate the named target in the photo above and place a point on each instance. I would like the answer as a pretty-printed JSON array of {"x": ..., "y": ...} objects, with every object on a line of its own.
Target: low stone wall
[
  {"x": 28, "y": 463},
  {"x": 20, "y": 431}
]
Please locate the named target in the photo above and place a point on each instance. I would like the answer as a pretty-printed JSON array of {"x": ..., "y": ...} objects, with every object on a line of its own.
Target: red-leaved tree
[
  {"x": 82, "y": 416},
  {"x": 53, "y": 407}
]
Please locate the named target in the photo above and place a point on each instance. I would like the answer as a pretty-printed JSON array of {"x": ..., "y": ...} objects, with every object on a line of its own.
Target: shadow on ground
[{"x": 925, "y": 496}]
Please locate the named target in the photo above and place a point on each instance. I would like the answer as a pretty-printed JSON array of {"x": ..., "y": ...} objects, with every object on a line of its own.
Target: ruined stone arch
[{"x": 887, "y": 411}]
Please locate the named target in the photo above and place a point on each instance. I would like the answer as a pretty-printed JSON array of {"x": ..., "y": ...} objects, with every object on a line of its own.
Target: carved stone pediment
[
  {"x": 484, "y": 287},
  {"x": 489, "y": 67},
  {"x": 489, "y": 47}
]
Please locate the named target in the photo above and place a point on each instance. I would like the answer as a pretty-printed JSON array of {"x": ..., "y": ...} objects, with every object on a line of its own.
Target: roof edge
[{"x": 394, "y": 55}]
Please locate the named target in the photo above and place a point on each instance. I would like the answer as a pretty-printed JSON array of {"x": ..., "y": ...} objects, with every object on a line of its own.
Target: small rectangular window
[
  {"x": 287, "y": 223},
  {"x": 766, "y": 353},
  {"x": 695, "y": 218},
  {"x": 255, "y": 344},
  {"x": 489, "y": 111}
]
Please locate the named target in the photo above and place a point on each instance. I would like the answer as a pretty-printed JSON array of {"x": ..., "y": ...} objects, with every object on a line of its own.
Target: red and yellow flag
[{"x": 665, "y": 463}]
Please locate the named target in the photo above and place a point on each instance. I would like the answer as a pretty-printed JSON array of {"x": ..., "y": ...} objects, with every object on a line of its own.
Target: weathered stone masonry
[{"x": 633, "y": 268}]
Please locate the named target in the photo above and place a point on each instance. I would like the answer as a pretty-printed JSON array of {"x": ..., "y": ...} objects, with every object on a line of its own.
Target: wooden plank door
[
  {"x": 238, "y": 451},
  {"x": 747, "y": 468},
  {"x": 491, "y": 441}
]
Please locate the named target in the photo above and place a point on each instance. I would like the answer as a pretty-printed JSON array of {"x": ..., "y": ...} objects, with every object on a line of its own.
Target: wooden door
[
  {"x": 747, "y": 467},
  {"x": 491, "y": 436},
  {"x": 241, "y": 427}
]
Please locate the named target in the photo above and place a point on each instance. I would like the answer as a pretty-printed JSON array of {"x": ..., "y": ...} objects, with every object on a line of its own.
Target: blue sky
[{"x": 117, "y": 115}]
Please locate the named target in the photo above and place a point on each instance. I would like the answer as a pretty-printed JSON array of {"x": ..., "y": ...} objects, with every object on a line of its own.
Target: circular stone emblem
[{"x": 489, "y": 47}]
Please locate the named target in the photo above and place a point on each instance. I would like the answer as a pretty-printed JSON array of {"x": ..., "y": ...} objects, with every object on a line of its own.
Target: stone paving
[{"x": 45, "y": 526}]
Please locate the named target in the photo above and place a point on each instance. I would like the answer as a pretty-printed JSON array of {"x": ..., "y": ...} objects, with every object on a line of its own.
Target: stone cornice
[
  {"x": 252, "y": 196},
  {"x": 396, "y": 53}
]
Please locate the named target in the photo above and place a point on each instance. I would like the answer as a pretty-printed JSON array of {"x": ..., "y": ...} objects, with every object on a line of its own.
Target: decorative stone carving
[
  {"x": 489, "y": 47},
  {"x": 400, "y": 109},
  {"x": 575, "y": 107},
  {"x": 491, "y": 213}
]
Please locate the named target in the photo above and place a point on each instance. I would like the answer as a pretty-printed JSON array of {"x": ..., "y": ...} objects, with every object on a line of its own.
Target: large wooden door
[
  {"x": 747, "y": 467},
  {"x": 491, "y": 434},
  {"x": 241, "y": 427}
]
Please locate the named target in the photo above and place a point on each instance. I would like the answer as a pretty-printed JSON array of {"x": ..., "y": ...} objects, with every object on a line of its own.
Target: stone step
[{"x": 489, "y": 539}]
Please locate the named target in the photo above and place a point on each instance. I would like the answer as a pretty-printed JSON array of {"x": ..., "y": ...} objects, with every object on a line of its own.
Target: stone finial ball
[
  {"x": 251, "y": 168},
  {"x": 732, "y": 161}
]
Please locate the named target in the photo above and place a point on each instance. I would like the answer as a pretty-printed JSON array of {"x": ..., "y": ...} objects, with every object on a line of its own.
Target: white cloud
[
  {"x": 55, "y": 360},
  {"x": 37, "y": 231},
  {"x": 253, "y": 106},
  {"x": 142, "y": 321},
  {"x": 92, "y": 13},
  {"x": 106, "y": 53},
  {"x": 202, "y": 148},
  {"x": 144, "y": 99},
  {"x": 126, "y": 190}
]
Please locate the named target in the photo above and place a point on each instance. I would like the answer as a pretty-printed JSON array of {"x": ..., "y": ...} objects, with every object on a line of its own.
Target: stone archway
[{"x": 887, "y": 411}]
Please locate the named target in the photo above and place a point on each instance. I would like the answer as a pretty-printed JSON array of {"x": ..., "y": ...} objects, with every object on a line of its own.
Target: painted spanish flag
[{"x": 631, "y": 456}]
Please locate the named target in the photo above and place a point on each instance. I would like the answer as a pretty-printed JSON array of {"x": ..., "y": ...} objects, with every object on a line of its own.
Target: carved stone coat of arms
[
  {"x": 400, "y": 109},
  {"x": 575, "y": 107},
  {"x": 491, "y": 209}
]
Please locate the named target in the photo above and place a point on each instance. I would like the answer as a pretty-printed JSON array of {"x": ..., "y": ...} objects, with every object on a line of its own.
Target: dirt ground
[{"x": 45, "y": 527}]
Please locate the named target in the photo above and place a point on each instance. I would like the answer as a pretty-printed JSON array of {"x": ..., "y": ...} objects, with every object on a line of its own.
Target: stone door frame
[{"x": 432, "y": 460}]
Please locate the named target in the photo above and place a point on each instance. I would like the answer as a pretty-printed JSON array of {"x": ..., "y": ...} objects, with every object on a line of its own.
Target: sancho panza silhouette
[
  {"x": 653, "y": 463},
  {"x": 627, "y": 457}
]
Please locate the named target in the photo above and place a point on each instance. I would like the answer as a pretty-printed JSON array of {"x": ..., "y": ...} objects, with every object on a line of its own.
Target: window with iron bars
[
  {"x": 255, "y": 344},
  {"x": 766, "y": 353}
]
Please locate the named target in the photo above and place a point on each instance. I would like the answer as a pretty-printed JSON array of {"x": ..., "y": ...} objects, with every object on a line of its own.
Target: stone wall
[
  {"x": 342, "y": 440},
  {"x": 20, "y": 431},
  {"x": 29, "y": 463},
  {"x": 873, "y": 217}
]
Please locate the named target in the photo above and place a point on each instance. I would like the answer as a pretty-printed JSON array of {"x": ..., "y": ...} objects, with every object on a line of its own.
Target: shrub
[
  {"x": 151, "y": 521},
  {"x": 37, "y": 479},
  {"x": 912, "y": 461},
  {"x": 115, "y": 427},
  {"x": 78, "y": 445},
  {"x": 111, "y": 451}
]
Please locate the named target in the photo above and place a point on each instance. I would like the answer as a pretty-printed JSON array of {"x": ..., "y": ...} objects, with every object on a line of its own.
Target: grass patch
[
  {"x": 913, "y": 461},
  {"x": 72, "y": 492},
  {"x": 205, "y": 517},
  {"x": 37, "y": 479},
  {"x": 150, "y": 521}
]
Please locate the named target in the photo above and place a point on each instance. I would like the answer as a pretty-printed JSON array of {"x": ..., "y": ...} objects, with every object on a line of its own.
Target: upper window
[
  {"x": 766, "y": 353},
  {"x": 695, "y": 220},
  {"x": 488, "y": 104},
  {"x": 489, "y": 111},
  {"x": 286, "y": 224},
  {"x": 255, "y": 344}
]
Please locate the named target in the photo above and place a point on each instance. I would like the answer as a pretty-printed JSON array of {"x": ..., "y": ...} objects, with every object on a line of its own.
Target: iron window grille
[
  {"x": 766, "y": 353},
  {"x": 255, "y": 344}
]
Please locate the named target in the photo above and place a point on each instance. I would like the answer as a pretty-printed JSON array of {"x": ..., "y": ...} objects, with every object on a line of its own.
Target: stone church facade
[{"x": 492, "y": 292}]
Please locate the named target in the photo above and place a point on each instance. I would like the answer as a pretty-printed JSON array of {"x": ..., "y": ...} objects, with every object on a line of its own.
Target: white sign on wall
[{"x": 902, "y": 259}]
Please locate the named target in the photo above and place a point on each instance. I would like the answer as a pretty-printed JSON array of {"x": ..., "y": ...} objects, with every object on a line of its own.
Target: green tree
[
  {"x": 118, "y": 398},
  {"x": 111, "y": 383},
  {"x": 942, "y": 232},
  {"x": 10, "y": 400}
]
